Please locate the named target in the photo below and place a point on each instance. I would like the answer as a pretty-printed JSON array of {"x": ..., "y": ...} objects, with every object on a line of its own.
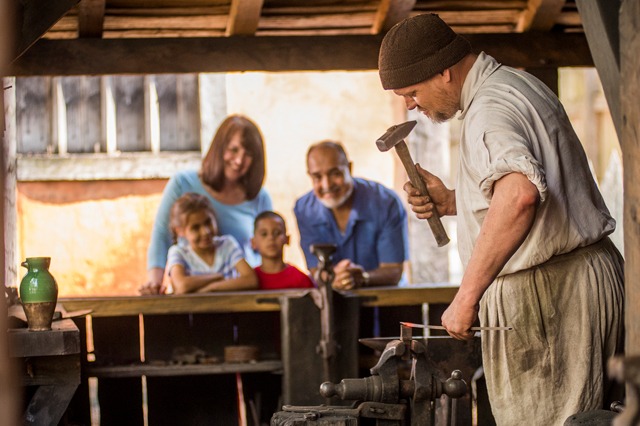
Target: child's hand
[{"x": 152, "y": 288}]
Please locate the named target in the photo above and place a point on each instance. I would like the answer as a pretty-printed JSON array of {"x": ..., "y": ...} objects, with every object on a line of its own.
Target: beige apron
[{"x": 567, "y": 319}]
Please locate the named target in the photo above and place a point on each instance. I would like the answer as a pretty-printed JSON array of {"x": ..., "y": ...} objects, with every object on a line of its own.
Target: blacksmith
[{"x": 532, "y": 225}]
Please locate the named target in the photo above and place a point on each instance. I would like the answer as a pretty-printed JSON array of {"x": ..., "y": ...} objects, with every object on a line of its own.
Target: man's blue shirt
[{"x": 376, "y": 232}]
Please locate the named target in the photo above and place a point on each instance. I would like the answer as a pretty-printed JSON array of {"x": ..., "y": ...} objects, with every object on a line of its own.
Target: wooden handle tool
[{"x": 394, "y": 138}]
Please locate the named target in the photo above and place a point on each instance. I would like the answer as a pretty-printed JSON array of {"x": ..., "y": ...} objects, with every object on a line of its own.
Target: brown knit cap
[{"x": 418, "y": 48}]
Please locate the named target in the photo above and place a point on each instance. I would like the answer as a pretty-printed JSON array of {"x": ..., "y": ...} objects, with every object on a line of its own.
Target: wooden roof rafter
[
  {"x": 389, "y": 13},
  {"x": 540, "y": 15},
  {"x": 35, "y": 18},
  {"x": 244, "y": 17},
  {"x": 91, "y": 18}
]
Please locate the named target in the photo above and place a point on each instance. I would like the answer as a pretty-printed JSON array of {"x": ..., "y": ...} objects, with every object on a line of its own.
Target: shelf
[{"x": 273, "y": 366}]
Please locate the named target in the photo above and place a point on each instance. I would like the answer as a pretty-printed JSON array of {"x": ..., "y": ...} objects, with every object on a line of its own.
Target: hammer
[{"x": 394, "y": 137}]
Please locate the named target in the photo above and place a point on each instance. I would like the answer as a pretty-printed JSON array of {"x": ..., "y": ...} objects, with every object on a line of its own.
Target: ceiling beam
[
  {"x": 91, "y": 18},
  {"x": 309, "y": 53},
  {"x": 36, "y": 18},
  {"x": 540, "y": 15},
  {"x": 244, "y": 17},
  {"x": 389, "y": 13},
  {"x": 600, "y": 22}
]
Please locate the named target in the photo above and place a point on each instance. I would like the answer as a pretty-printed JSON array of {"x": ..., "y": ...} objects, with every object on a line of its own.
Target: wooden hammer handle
[{"x": 435, "y": 223}]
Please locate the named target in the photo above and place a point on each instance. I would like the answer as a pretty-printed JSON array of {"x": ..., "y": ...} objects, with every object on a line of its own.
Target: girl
[{"x": 201, "y": 260}]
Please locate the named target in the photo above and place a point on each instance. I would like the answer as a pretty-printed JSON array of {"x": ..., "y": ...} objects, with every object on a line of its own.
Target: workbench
[
  {"x": 49, "y": 364},
  {"x": 131, "y": 340}
]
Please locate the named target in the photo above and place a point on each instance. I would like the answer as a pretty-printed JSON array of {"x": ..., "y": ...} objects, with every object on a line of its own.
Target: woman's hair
[
  {"x": 212, "y": 172},
  {"x": 187, "y": 204}
]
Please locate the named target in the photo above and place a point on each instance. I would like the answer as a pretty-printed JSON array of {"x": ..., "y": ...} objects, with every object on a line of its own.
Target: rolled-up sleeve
[{"x": 509, "y": 153}]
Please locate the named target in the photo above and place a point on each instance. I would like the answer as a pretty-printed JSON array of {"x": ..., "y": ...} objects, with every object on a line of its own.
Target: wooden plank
[
  {"x": 33, "y": 120},
  {"x": 156, "y": 56},
  {"x": 8, "y": 181},
  {"x": 188, "y": 106},
  {"x": 106, "y": 167},
  {"x": 91, "y": 18},
  {"x": 389, "y": 13},
  {"x": 37, "y": 17},
  {"x": 130, "y": 124},
  {"x": 154, "y": 23},
  {"x": 48, "y": 405},
  {"x": 118, "y": 371},
  {"x": 167, "y": 111},
  {"x": 248, "y": 301},
  {"x": 82, "y": 102},
  {"x": 50, "y": 370},
  {"x": 251, "y": 301},
  {"x": 178, "y": 112},
  {"x": 9, "y": 397},
  {"x": 630, "y": 141},
  {"x": 600, "y": 21},
  {"x": 464, "y": 5},
  {"x": 407, "y": 296},
  {"x": 62, "y": 339},
  {"x": 540, "y": 15},
  {"x": 244, "y": 17}
]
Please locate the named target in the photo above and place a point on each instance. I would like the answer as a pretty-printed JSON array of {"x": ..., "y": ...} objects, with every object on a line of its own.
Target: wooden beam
[
  {"x": 600, "y": 21},
  {"x": 630, "y": 142},
  {"x": 540, "y": 15},
  {"x": 37, "y": 17},
  {"x": 91, "y": 18},
  {"x": 244, "y": 17},
  {"x": 390, "y": 12},
  {"x": 228, "y": 54}
]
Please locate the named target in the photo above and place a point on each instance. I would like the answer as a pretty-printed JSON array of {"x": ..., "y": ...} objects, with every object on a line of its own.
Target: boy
[{"x": 269, "y": 239}]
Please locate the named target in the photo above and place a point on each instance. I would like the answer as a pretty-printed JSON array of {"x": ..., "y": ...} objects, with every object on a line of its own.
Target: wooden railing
[{"x": 251, "y": 301}]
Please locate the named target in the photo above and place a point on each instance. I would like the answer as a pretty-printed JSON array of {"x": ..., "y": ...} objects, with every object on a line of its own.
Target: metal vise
[{"x": 386, "y": 397}]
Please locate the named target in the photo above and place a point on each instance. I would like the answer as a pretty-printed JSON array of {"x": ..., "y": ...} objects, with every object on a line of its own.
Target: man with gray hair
[
  {"x": 532, "y": 226},
  {"x": 364, "y": 219}
]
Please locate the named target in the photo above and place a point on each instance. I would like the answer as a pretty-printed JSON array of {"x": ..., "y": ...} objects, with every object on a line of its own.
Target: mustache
[{"x": 332, "y": 188}]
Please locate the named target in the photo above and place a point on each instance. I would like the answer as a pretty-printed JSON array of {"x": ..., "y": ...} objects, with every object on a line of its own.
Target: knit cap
[{"x": 418, "y": 48}]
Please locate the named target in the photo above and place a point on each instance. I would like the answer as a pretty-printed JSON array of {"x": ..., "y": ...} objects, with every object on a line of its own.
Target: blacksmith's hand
[
  {"x": 442, "y": 198},
  {"x": 458, "y": 319}
]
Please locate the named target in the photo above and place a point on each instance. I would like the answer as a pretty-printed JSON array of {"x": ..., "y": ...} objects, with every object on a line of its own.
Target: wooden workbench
[{"x": 133, "y": 338}]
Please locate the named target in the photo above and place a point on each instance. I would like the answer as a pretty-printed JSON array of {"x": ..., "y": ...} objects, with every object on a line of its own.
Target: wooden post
[
  {"x": 8, "y": 390},
  {"x": 630, "y": 138}
]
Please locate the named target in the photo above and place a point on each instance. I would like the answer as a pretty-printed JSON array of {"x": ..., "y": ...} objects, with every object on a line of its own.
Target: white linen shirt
[{"x": 512, "y": 122}]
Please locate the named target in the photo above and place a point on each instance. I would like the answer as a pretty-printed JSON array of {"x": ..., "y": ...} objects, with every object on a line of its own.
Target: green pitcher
[{"x": 38, "y": 293}]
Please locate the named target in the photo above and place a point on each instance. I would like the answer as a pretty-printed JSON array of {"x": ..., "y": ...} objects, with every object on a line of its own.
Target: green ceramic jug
[{"x": 38, "y": 293}]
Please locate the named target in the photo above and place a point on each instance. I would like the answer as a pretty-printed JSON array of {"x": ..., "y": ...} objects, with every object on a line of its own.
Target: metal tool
[
  {"x": 394, "y": 137},
  {"x": 327, "y": 346},
  {"x": 400, "y": 401},
  {"x": 440, "y": 327}
]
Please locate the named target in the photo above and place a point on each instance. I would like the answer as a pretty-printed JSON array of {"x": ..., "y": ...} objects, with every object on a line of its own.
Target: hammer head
[{"x": 394, "y": 135}]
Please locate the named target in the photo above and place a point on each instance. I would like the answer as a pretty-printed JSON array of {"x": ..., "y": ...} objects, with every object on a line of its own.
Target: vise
[{"x": 388, "y": 397}]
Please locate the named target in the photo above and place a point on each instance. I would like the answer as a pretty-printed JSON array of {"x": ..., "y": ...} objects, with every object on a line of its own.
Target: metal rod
[{"x": 440, "y": 327}]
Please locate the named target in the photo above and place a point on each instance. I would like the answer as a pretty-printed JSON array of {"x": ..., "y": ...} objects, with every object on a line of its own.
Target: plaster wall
[{"x": 97, "y": 232}]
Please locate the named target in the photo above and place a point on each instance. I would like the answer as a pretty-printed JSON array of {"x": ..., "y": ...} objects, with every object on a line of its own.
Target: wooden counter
[{"x": 251, "y": 301}]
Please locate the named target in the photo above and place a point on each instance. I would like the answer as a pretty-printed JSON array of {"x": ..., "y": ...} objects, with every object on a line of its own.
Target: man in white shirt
[{"x": 532, "y": 226}]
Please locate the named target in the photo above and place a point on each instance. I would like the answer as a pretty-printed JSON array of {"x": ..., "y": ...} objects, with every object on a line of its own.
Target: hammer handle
[{"x": 435, "y": 223}]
